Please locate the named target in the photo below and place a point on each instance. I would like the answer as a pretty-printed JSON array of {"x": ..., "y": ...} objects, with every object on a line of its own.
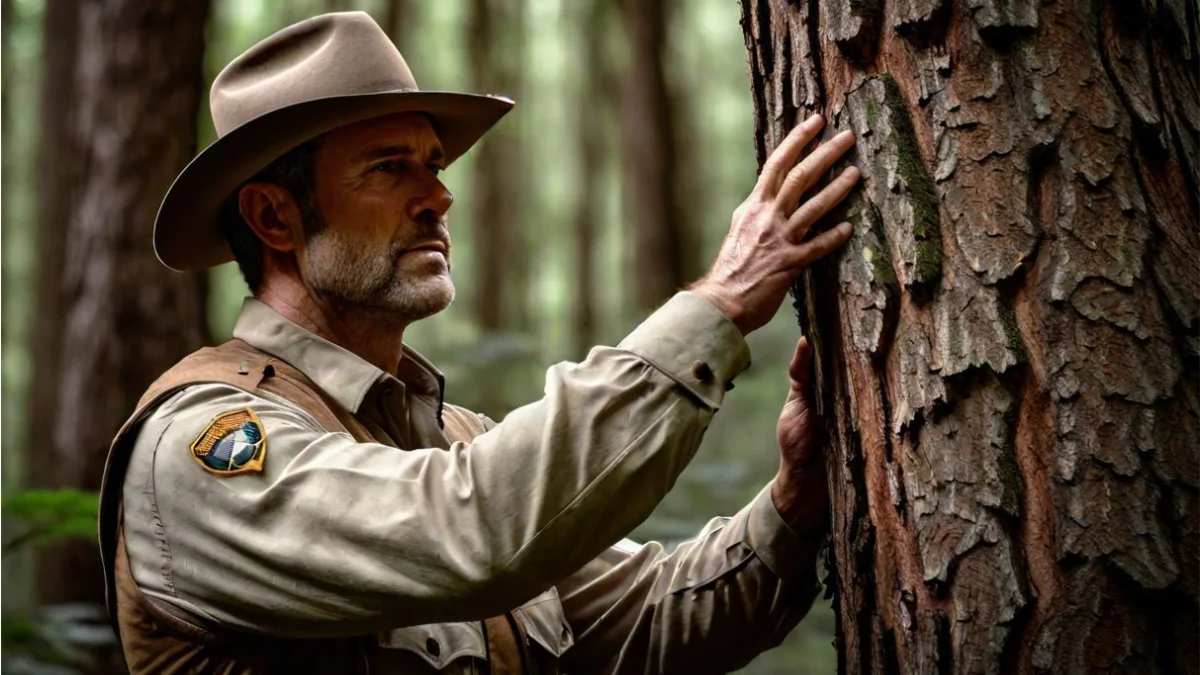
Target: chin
[{"x": 424, "y": 298}]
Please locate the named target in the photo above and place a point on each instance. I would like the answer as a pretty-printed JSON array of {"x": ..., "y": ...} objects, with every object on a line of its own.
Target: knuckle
[{"x": 799, "y": 175}]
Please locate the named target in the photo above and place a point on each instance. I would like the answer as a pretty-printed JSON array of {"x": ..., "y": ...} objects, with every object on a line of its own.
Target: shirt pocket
[
  {"x": 545, "y": 622},
  {"x": 446, "y": 647}
]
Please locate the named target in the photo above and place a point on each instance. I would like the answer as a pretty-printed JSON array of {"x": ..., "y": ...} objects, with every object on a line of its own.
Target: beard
[{"x": 351, "y": 268}]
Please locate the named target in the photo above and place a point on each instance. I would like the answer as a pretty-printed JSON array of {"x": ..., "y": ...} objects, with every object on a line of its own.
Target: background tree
[
  {"x": 1008, "y": 344},
  {"x": 399, "y": 17},
  {"x": 662, "y": 248},
  {"x": 559, "y": 97},
  {"x": 57, "y": 187},
  {"x": 594, "y": 112},
  {"x": 118, "y": 127},
  {"x": 501, "y": 261}
]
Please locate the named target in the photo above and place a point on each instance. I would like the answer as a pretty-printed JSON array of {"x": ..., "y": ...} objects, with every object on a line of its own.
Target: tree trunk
[
  {"x": 662, "y": 246},
  {"x": 57, "y": 187},
  {"x": 125, "y": 317},
  {"x": 502, "y": 277},
  {"x": 1007, "y": 346},
  {"x": 400, "y": 16},
  {"x": 593, "y": 112}
]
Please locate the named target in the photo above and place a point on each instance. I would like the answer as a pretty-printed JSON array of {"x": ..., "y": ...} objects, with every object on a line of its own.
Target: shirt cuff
[
  {"x": 694, "y": 344},
  {"x": 787, "y": 554}
]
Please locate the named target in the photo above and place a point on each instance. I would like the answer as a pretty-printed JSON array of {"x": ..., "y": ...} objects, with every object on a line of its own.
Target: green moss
[
  {"x": 1012, "y": 484},
  {"x": 1008, "y": 320},
  {"x": 872, "y": 113},
  {"x": 1008, "y": 471},
  {"x": 925, "y": 205},
  {"x": 881, "y": 260},
  {"x": 929, "y": 261}
]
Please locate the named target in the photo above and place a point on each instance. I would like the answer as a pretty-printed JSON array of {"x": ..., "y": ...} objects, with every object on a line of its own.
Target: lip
[{"x": 428, "y": 246}]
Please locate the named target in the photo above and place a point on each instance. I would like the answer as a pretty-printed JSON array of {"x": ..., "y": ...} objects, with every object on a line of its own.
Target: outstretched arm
[{"x": 722, "y": 598}]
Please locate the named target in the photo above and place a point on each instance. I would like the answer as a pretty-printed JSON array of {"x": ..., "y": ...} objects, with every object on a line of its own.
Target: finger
[
  {"x": 802, "y": 177},
  {"x": 801, "y": 366},
  {"x": 822, "y": 202},
  {"x": 785, "y": 155},
  {"x": 820, "y": 246}
]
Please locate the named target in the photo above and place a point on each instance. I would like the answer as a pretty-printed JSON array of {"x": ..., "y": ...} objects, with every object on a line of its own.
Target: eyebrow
[{"x": 436, "y": 155}]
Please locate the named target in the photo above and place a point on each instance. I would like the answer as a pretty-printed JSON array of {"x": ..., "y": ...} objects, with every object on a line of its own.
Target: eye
[
  {"x": 386, "y": 167},
  {"x": 434, "y": 168}
]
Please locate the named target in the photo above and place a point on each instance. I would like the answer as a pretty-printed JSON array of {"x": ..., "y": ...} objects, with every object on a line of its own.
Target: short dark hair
[{"x": 293, "y": 172}]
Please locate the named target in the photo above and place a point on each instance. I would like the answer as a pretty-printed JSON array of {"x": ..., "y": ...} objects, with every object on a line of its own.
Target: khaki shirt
[{"x": 335, "y": 537}]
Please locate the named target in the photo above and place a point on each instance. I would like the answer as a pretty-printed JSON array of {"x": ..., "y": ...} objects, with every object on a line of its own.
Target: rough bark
[
  {"x": 502, "y": 267},
  {"x": 662, "y": 242},
  {"x": 125, "y": 317},
  {"x": 1007, "y": 348}
]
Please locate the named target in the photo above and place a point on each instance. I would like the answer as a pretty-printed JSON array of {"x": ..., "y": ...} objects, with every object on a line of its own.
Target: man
[{"x": 301, "y": 499}]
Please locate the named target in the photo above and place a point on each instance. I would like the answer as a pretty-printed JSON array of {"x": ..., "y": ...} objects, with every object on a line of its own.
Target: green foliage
[{"x": 48, "y": 516}]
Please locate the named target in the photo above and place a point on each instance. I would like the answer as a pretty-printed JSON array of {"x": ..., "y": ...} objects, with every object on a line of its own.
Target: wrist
[
  {"x": 723, "y": 301},
  {"x": 802, "y": 503}
]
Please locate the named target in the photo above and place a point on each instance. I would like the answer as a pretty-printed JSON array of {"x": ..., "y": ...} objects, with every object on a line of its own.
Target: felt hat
[{"x": 307, "y": 79}]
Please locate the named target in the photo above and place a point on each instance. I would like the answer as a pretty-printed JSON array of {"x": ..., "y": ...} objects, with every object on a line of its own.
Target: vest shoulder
[{"x": 462, "y": 424}]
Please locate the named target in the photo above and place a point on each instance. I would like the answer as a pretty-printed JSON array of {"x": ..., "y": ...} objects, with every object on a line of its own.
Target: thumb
[
  {"x": 800, "y": 369},
  {"x": 796, "y": 421},
  {"x": 800, "y": 373}
]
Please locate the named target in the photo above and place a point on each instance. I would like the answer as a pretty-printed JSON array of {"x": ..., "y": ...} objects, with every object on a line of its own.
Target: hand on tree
[
  {"x": 800, "y": 492},
  {"x": 765, "y": 248}
]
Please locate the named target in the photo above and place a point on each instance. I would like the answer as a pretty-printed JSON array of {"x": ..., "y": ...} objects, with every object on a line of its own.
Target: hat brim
[{"x": 187, "y": 235}]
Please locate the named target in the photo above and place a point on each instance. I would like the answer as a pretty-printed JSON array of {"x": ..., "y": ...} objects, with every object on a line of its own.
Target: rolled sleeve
[{"x": 694, "y": 344}]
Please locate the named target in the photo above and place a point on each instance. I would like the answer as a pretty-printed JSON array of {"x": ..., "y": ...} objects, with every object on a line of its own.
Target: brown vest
[{"x": 156, "y": 641}]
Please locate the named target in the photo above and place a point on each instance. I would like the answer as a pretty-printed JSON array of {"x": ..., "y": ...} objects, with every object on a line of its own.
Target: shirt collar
[{"x": 340, "y": 373}]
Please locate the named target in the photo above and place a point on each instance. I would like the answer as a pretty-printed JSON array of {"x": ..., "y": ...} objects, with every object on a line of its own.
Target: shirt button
[
  {"x": 702, "y": 371},
  {"x": 389, "y": 390},
  {"x": 433, "y": 647}
]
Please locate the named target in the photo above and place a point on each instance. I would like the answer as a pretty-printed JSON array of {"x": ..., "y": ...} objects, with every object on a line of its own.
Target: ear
[{"x": 272, "y": 213}]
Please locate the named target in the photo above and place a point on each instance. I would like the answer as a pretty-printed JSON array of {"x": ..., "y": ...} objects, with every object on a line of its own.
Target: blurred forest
[{"x": 610, "y": 186}]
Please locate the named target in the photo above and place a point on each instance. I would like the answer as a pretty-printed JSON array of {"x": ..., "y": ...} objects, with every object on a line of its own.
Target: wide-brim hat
[{"x": 305, "y": 80}]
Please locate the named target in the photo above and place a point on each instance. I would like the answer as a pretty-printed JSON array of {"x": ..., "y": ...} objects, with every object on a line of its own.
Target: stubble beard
[{"x": 362, "y": 277}]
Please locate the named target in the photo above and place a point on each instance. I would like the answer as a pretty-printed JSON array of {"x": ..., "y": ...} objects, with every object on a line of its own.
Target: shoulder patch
[{"x": 232, "y": 443}]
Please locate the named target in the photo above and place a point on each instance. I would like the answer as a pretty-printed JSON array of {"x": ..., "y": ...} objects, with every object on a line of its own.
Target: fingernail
[{"x": 846, "y": 228}]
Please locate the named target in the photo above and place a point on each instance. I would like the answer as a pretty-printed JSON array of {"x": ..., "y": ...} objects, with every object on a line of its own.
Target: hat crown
[{"x": 332, "y": 55}]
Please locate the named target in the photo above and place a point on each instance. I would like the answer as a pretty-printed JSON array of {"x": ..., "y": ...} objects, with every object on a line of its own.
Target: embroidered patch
[{"x": 232, "y": 443}]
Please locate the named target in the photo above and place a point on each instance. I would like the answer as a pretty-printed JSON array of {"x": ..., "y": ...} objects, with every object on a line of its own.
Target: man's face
[{"x": 380, "y": 240}]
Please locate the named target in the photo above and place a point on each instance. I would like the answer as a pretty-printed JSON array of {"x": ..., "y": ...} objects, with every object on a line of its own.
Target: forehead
[{"x": 409, "y": 129}]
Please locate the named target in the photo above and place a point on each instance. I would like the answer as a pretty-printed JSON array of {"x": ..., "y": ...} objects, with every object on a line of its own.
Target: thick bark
[
  {"x": 663, "y": 248},
  {"x": 1007, "y": 347},
  {"x": 125, "y": 318},
  {"x": 502, "y": 268}
]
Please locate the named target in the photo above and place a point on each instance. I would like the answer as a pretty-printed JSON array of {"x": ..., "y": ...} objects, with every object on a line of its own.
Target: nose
[{"x": 434, "y": 197}]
